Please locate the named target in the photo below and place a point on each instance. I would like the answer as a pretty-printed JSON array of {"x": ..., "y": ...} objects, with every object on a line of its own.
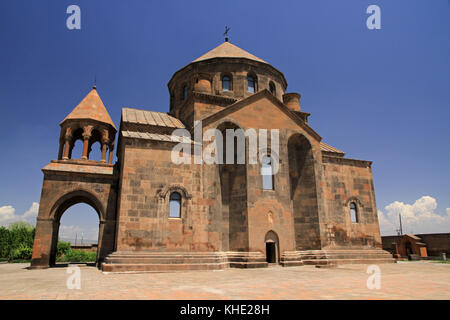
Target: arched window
[
  {"x": 184, "y": 93},
  {"x": 272, "y": 88},
  {"x": 175, "y": 205},
  {"x": 226, "y": 83},
  {"x": 267, "y": 173},
  {"x": 353, "y": 212},
  {"x": 251, "y": 84}
]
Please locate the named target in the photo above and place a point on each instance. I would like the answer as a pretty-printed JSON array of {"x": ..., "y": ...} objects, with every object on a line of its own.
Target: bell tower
[
  {"x": 68, "y": 181},
  {"x": 90, "y": 123}
]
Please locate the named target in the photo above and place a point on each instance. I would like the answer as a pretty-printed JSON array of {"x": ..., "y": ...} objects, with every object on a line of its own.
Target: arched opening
[
  {"x": 252, "y": 83},
  {"x": 272, "y": 247},
  {"x": 303, "y": 193},
  {"x": 353, "y": 212},
  {"x": 78, "y": 235},
  {"x": 95, "y": 146},
  {"x": 79, "y": 204},
  {"x": 226, "y": 83},
  {"x": 233, "y": 184},
  {"x": 267, "y": 172},
  {"x": 95, "y": 153},
  {"x": 175, "y": 205},
  {"x": 76, "y": 148},
  {"x": 272, "y": 88}
]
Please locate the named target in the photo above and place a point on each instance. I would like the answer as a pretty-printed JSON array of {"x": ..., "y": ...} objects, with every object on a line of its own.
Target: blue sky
[{"x": 380, "y": 95}]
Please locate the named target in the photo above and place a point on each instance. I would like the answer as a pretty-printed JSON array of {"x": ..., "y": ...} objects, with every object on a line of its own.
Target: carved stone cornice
[
  {"x": 219, "y": 100},
  {"x": 341, "y": 160}
]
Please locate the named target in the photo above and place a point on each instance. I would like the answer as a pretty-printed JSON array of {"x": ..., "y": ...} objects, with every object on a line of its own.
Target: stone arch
[
  {"x": 164, "y": 200},
  {"x": 224, "y": 121},
  {"x": 222, "y": 126},
  {"x": 303, "y": 193},
  {"x": 61, "y": 205},
  {"x": 69, "y": 199},
  {"x": 233, "y": 191},
  {"x": 356, "y": 199},
  {"x": 272, "y": 243},
  {"x": 304, "y": 136},
  {"x": 174, "y": 188},
  {"x": 48, "y": 223}
]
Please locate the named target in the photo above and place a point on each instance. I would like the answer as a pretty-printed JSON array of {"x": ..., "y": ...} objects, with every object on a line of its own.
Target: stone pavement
[{"x": 404, "y": 280}]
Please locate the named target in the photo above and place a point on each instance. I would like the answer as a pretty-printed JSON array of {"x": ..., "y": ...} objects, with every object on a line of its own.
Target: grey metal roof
[
  {"x": 152, "y": 118},
  {"x": 156, "y": 136}
]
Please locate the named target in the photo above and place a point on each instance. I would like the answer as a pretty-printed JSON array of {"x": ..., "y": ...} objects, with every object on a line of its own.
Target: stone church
[{"x": 155, "y": 215}]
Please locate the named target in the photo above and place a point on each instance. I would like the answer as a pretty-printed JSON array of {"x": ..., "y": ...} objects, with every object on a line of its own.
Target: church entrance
[
  {"x": 271, "y": 255},
  {"x": 272, "y": 247}
]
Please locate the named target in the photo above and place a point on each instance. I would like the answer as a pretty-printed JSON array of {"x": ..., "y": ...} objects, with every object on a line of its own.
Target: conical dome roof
[
  {"x": 91, "y": 107},
  {"x": 228, "y": 50}
]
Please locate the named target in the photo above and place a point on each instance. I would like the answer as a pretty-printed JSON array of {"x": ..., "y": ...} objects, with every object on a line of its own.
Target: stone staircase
[
  {"x": 333, "y": 257},
  {"x": 359, "y": 256},
  {"x": 180, "y": 261},
  {"x": 183, "y": 261},
  {"x": 300, "y": 258},
  {"x": 246, "y": 260}
]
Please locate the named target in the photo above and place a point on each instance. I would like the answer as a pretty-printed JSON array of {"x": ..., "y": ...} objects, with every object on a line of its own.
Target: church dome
[{"x": 230, "y": 71}]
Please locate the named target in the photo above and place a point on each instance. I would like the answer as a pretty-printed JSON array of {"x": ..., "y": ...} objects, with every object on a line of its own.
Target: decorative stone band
[{"x": 355, "y": 162}]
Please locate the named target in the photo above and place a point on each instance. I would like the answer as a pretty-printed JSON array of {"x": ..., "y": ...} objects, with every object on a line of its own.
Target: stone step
[
  {"x": 291, "y": 263},
  {"x": 121, "y": 267},
  {"x": 363, "y": 261},
  {"x": 164, "y": 255},
  {"x": 163, "y": 260},
  {"x": 178, "y": 261},
  {"x": 248, "y": 265},
  {"x": 336, "y": 256}
]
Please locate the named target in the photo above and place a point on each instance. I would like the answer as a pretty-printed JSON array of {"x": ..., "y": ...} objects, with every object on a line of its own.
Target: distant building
[
  {"x": 422, "y": 245},
  {"x": 319, "y": 207}
]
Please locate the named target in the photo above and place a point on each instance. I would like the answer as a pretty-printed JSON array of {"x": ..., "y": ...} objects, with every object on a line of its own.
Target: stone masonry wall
[
  {"x": 148, "y": 178},
  {"x": 349, "y": 180}
]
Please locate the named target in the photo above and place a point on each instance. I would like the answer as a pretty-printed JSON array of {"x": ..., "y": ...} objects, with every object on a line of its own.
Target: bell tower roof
[
  {"x": 228, "y": 50},
  {"x": 91, "y": 107}
]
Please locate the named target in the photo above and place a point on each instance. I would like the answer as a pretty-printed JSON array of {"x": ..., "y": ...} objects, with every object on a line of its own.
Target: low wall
[{"x": 85, "y": 247}]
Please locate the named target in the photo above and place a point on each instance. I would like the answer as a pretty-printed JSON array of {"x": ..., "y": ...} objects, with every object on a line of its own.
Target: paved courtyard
[{"x": 404, "y": 280}]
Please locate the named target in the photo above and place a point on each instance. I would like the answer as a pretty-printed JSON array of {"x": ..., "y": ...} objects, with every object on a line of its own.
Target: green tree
[
  {"x": 63, "y": 248},
  {"x": 16, "y": 241}
]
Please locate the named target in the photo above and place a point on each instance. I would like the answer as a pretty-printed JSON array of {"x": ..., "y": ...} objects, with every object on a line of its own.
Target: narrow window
[
  {"x": 185, "y": 92},
  {"x": 226, "y": 83},
  {"x": 272, "y": 88},
  {"x": 267, "y": 173},
  {"x": 251, "y": 82},
  {"x": 175, "y": 205},
  {"x": 353, "y": 212},
  {"x": 172, "y": 98}
]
